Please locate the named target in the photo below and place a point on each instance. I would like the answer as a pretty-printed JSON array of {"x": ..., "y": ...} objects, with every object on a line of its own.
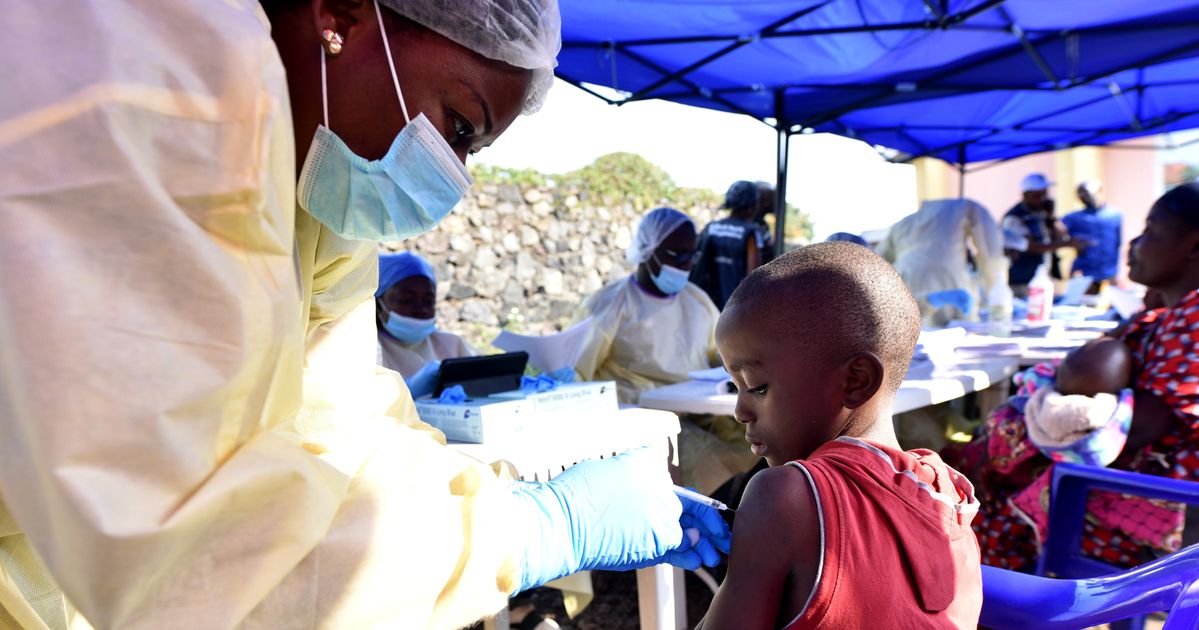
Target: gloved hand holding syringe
[
  {"x": 725, "y": 511},
  {"x": 618, "y": 513}
]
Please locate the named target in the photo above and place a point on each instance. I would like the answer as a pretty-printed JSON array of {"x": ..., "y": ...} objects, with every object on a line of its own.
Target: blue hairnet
[
  {"x": 396, "y": 266},
  {"x": 847, "y": 237},
  {"x": 655, "y": 226}
]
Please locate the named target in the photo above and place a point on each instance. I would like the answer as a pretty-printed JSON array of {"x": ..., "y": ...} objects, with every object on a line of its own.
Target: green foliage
[
  {"x": 799, "y": 225},
  {"x": 479, "y": 336},
  {"x": 623, "y": 178},
  {"x": 691, "y": 197},
  {"x": 613, "y": 179},
  {"x": 620, "y": 178},
  {"x": 523, "y": 177}
]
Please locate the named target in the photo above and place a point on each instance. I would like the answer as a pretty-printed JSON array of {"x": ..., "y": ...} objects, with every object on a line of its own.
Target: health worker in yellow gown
[{"x": 194, "y": 431}]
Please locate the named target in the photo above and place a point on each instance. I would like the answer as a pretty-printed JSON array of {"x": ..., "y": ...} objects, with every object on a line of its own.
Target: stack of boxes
[{"x": 509, "y": 413}]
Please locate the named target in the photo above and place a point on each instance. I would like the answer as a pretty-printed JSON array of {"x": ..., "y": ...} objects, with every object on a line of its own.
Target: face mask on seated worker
[
  {"x": 409, "y": 329},
  {"x": 669, "y": 280},
  {"x": 403, "y": 194}
]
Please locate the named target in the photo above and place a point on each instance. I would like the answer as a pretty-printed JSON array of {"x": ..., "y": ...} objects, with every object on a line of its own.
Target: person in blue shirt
[{"x": 1100, "y": 225}]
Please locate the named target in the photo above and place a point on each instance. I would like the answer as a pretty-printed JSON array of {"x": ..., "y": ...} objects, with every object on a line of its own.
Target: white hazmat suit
[
  {"x": 642, "y": 340},
  {"x": 928, "y": 249}
]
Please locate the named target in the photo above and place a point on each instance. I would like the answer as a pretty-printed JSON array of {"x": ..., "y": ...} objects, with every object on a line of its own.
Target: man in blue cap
[{"x": 731, "y": 247}]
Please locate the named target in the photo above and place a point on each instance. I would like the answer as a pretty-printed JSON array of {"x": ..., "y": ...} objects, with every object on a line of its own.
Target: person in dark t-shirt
[{"x": 731, "y": 247}]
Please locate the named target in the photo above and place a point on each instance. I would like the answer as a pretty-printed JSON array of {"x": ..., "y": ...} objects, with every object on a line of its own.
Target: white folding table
[{"x": 936, "y": 387}]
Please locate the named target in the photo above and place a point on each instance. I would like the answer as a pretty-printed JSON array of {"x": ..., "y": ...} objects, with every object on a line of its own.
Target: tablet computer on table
[{"x": 482, "y": 375}]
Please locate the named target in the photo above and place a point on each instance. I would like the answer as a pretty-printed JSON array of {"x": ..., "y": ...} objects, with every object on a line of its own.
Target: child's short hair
[{"x": 842, "y": 298}]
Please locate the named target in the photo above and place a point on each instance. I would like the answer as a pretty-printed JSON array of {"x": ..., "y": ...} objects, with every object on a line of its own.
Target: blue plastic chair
[
  {"x": 1018, "y": 601},
  {"x": 1070, "y": 486}
]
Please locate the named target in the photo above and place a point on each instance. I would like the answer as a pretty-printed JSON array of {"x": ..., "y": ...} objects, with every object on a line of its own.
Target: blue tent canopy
[
  {"x": 962, "y": 80},
  {"x": 1000, "y": 124}
]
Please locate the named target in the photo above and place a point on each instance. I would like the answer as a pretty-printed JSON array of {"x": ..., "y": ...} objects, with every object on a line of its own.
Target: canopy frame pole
[
  {"x": 645, "y": 92},
  {"x": 962, "y": 171},
  {"x": 783, "y": 129},
  {"x": 697, "y": 90},
  {"x": 780, "y": 190},
  {"x": 1030, "y": 48}
]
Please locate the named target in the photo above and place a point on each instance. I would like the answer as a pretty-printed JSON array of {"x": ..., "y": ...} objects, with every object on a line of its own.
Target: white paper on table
[
  {"x": 548, "y": 352},
  {"x": 942, "y": 336},
  {"x": 920, "y": 368},
  {"x": 970, "y": 327},
  {"x": 1075, "y": 289},
  {"x": 1097, "y": 325},
  {"x": 1027, "y": 329},
  {"x": 1125, "y": 302},
  {"x": 717, "y": 373},
  {"x": 1001, "y": 349},
  {"x": 938, "y": 345}
]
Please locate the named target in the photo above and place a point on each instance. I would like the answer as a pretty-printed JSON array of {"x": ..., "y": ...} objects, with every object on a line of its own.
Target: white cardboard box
[
  {"x": 589, "y": 396},
  {"x": 477, "y": 419}
]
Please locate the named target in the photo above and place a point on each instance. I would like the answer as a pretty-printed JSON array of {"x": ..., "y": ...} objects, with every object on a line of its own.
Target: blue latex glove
[
  {"x": 452, "y": 395},
  {"x": 562, "y": 375},
  {"x": 715, "y": 536},
  {"x": 421, "y": 383},
  {"x": 960, "y": 298},
  {"x": 615, "y": 514},
  {"x": 1019, "y": 309},
  {"x": 537, "y": 384}
]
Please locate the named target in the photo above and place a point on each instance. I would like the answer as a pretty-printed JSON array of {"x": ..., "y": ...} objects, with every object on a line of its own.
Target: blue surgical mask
[
  {"x": 403, "y": 194},
  {"x": 669, "y": 280},
  {"x": 409, "y": 329}
]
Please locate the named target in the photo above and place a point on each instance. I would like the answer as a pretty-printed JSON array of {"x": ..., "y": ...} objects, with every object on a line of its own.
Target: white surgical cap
[
  {"x": 522, "y": 33},
  {"x": 654, "y": 228}
]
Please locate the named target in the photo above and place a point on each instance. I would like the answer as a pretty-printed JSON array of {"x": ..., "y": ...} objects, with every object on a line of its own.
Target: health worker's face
[
  {"x": 468, "y": 98},
  {"x": 676, "y": 250},
  {"x": 414, "y": 296}
]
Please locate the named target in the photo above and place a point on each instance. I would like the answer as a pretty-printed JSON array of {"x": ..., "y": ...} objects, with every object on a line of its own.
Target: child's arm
[{"x": 775, "y": 554}]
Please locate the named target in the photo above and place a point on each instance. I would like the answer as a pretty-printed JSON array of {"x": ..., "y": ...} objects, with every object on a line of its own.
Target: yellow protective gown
[
  {"x": 193, "y": 433},
  {"x": 409, "y": 358},
  {"x": 643, "y": 341},
  {"x": 928, "y": 249}
]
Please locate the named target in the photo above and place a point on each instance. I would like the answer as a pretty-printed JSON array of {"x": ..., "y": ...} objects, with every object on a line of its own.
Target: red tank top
[{"x": 898, "y": 551}]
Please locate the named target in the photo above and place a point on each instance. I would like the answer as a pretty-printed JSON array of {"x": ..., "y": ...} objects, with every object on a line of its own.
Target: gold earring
[{"x": 333, "y": 41}]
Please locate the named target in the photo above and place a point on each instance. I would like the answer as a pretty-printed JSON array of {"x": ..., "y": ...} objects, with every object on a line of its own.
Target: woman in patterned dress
[{"x": 1012, "y": 475}]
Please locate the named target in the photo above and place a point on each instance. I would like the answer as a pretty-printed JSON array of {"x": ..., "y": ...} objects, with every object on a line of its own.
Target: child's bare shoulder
[
  {"x": 775, "y": 556},
  {"x": 779, "y": 491},
  {"x": 779, "y": 507}
]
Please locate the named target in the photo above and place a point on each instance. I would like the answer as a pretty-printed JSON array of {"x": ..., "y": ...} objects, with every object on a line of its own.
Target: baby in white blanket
[{"x": 1089, "y": 388}]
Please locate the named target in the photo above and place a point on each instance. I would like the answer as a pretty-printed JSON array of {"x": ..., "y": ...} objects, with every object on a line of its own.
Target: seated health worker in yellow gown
[
  {"x": 405, "y": 314},
  {"x": 653, "y": 327}
]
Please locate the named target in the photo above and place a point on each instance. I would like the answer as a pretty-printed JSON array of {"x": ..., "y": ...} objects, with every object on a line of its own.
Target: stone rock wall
[{"x": 523, "y": 257}]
